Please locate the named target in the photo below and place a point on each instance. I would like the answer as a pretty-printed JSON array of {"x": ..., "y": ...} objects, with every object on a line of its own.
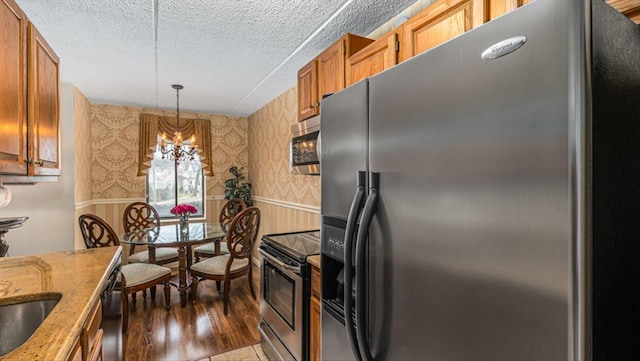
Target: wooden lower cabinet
[
  {"x": 88, "y": 346},
  {"x": 314, "y": 340},
  {"x": 316, "y": 314},
  {"x": 76, "y": 353}
]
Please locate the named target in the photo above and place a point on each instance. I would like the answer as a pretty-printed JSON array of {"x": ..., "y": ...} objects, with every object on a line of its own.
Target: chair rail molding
[
  {"x": 84, "y": 204},
  {"x": 292, "y": 205}
]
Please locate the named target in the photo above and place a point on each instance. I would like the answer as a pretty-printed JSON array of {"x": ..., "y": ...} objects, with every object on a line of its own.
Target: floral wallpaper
[
  {"x": 269, "y": 135},
  {"x": 114, "y": 138}
]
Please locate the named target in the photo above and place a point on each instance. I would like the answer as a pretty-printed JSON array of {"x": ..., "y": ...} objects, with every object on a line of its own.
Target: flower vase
[{"x": 184, "y": 223}]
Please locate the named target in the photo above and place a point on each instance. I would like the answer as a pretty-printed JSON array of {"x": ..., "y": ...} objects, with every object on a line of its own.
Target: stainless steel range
[{"x": 285, "y": 287}]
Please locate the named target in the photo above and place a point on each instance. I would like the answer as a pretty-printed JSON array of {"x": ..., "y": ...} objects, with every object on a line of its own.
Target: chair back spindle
[
  {"x": 140, "y": 215},
  {"x": 96, "y": 232}
]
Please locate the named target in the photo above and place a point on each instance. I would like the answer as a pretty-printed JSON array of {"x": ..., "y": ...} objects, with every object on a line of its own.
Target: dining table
[{"x": 180, "y": 237}]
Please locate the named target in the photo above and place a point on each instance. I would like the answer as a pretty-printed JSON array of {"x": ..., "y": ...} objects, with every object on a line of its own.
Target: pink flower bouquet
[{"x": 183, "y": 209}]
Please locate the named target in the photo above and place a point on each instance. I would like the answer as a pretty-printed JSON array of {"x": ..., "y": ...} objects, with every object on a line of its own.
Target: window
[{"x": 164, "y": 175}]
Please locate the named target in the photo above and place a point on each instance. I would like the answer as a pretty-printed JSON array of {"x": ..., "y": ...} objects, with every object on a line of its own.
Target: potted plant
[{"x": 236, "y": 188}]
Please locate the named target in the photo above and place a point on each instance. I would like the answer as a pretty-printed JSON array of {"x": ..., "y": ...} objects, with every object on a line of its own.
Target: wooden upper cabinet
[
  {"x": 498, "y": 8},
  {"x": 331, "y": 70},
  {"x": 326, "y": 74},
  {"x": 376, "y": 57},
  {"x": 44, "y": 100},
  {"x": 13, "y": 92},
  {"x": 630, "y": 8},
  {"x": 29, "y": 101},
  {"x": 307, "y": 91},
  {"x": 441, "y": 21}
]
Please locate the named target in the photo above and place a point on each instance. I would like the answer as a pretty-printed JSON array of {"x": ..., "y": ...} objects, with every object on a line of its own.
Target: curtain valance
[{"x": 152, "y": 126}]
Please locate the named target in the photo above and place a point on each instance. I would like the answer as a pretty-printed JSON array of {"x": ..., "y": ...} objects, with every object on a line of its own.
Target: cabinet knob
[
  {"x": 40, "y": 162},
  {"x": 310, "y": 106}
]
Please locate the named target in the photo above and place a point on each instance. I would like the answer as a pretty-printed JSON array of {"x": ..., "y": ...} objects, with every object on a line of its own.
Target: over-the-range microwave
[{"x": 305, "y": 147}]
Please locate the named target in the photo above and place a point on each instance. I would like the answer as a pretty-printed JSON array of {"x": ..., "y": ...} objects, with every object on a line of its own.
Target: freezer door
[
  {"x": 344, "y": 147},
  {"x": 335, "y": 345},
  {"x": 471, "y": 242}
]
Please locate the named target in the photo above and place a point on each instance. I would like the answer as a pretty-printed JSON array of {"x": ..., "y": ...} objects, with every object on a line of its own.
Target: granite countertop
[
  {"x": 314, "y": 260},
  {"x": 76, "y": 275}
]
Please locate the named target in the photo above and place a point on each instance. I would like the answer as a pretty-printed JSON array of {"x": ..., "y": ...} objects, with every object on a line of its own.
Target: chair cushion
[
  {"x": 162, "y": 253},
  {"x": 139, "y": 273},
  {"x": 210, "y": 248},
  {"x": 215, "y": 266}
]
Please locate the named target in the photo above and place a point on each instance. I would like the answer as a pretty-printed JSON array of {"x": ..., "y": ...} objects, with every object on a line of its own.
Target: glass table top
[{"x": 173, "y": 235}]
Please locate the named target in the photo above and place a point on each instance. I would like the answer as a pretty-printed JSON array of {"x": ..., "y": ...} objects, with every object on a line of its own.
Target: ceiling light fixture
[{"x": 176, "y": 150}]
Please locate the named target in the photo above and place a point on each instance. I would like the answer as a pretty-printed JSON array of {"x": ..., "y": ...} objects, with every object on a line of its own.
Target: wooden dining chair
[
  {"x": 141, "y": 215},
  {"x": 96, "y": 232},
  {"x": 132, "y": 277},
  {"x": 140, "y": 276},
  {"x": 240, "y": 240},
  {"x": 228, "y": 211}
]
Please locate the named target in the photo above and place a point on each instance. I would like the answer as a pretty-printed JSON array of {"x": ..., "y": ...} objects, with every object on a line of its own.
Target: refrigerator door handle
[
  {"x": 369, "y": 210},
  {"x": 352, "y": 218}
]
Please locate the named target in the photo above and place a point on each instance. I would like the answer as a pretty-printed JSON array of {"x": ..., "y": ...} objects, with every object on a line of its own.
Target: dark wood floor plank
[{"x": 196, "y": 331}]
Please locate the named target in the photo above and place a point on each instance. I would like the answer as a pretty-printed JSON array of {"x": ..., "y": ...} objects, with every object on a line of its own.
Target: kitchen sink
[{"x": 21, "y": 317}]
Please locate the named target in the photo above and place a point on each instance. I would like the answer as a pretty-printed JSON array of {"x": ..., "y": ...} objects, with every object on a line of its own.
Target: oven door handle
[{"x": 278, "y": 262}]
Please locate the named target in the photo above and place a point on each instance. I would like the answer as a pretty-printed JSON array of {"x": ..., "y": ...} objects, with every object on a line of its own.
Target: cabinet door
[
  {"x": 441, "y": 21},
  {"x": 315, "y": 316},
  {"x": 13, "y": 92},
  {"x": 331, "y": 68},
  {"x": 307, "y": 92},
  {"x": 630, "y": 8},
  {"x": 44, "y": 117},
  {"x": 76, "y": 352},
  {"x": 500, "y": 7},
  {"x": 316, "y": 329},
  {"x": 376, "y": 57}
]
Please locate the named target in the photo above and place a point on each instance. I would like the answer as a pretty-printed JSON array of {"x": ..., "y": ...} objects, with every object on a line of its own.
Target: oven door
[{"x": 281, "y": 302}]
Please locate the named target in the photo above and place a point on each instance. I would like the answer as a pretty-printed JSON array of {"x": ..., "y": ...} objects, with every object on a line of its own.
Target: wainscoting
[{"x": 280, "y": 217}]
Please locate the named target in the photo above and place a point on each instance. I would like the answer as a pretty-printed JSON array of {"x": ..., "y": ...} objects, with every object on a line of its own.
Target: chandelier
[{"x": 176, "y": 150}]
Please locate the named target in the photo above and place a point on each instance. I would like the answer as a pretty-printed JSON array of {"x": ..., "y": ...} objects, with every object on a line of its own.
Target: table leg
[
  {"x": 189, "y": 257},
  {"x": 182, "y": 276}
]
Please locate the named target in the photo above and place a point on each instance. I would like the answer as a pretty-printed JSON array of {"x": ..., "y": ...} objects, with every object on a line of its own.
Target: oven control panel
[{"x": 333, "y": 241}]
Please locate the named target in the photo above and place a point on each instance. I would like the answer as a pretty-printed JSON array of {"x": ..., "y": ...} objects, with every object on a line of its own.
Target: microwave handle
[
  {"x": 291, "y": 156},
  {"x": 318, "y": 147}
]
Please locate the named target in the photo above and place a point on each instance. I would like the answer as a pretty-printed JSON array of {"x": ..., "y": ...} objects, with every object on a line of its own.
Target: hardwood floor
[{"x": 194, "y": 332}]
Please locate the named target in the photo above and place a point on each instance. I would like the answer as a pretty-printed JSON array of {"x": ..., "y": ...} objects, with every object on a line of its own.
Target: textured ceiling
[{"x": 232, "y": 56}]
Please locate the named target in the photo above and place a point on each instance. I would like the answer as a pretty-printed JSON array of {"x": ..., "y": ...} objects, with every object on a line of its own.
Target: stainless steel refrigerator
[{"x": 487, "y": 195}]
